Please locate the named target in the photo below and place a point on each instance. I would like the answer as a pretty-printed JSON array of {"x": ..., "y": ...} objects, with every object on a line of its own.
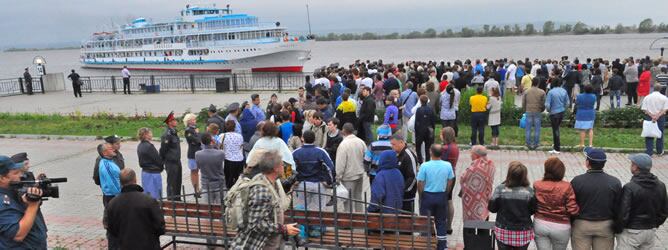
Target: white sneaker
[{"x": 554, "y": 152}]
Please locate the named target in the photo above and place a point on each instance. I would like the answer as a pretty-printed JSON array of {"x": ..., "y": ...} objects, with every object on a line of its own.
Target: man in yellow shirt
[{"x": 478, "y": 117}]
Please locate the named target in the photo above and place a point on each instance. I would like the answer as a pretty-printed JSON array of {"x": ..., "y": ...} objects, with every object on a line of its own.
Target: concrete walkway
[
  {"x": 157, "y": 104},
  {"x": 75, "y": 220}
]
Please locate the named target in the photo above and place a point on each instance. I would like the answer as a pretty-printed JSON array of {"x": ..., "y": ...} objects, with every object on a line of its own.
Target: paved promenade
[
  {"x": 75, "y": 220},
  {"x": 157, "y": 104}
]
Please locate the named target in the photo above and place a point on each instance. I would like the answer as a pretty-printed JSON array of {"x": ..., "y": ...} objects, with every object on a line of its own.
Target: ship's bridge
[{"x": 192, "y": 13}]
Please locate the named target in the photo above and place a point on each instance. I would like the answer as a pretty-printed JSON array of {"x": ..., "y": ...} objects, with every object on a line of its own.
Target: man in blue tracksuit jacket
[
  {"x": 110, "y": 182},
  {"x": 387, "y": 188}
]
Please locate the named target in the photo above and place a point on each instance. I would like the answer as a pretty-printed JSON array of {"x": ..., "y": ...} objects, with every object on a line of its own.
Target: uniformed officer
[
  {"x": 21, "y": 222},
  {"x": 118, "y": 158},
  {"x": 170, "y": 152}
]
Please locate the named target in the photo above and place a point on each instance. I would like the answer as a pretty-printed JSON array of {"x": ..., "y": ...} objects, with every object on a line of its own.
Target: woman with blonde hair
[
  {"x": 194, "y": 145},
  {"x": 150, "y": 163},
  {"x": 494, "y": 118}
]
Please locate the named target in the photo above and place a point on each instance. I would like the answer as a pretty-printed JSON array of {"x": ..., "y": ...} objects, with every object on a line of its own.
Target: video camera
[{"x": 42, "y": 182}]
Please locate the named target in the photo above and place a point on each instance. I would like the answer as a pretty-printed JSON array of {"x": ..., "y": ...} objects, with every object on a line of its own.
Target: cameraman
[{"x": 21, "y": 222}]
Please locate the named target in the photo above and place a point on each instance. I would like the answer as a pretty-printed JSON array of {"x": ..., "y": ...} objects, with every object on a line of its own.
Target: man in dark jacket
[
  {"x": 424, "y": 128},
  {"x": 408, "y": 165},
  {"x": 210, "y": 161},
  {"x": 598, "y": 195},
  {"x": 115, "y": 141},
  {"x": 334, "y": 138},
  {"x": 27, "y": 78},
  {"x": 644, "y": 206},
  {"x": 170, "y": 152},
  {"x": 367, "y": 114},
  {"x": 76, "y": 84},
  {"x": 387, "y": 192},
  {"x": 615, "y": 85},
  {"x": 214, "y": 117},
  {"x": 150, "y": 163},
  {"x": 133, "y": 217}
]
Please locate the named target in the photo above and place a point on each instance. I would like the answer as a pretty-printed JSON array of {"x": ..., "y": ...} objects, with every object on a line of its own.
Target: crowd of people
[{"x": 325, "y": 138}]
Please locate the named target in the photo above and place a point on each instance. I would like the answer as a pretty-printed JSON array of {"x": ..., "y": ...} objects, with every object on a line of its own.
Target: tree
[
  {"x": 332, "y": 37},
  {"x": 369, "y": 36},
  {"x": 662, "y": 28},
  {"x": 580, "y": 28},
  {"x": 466, "y": 32},
  {"x": 565, "y": 28},
  {"x": 619, "y": 29},
  {"x": 413, "y": 35},
  {"x": 548, "y": 28},
  {"x": 507, "y": 31},
  {"x": 394, "y": 35},
  {"x": 485, "y": 30},
  {"x": 646, "y": 26},
  {"x": 495, "y": 31},
  {"x": 529, "y": 29},
  {"x": 517, "y": 30},
  {"x": 429, "y": 33},
  {"x": 449, "y": 33}
]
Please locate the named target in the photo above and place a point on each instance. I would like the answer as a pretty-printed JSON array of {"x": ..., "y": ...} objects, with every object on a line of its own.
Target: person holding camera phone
[{"x": 21, "y": 222}]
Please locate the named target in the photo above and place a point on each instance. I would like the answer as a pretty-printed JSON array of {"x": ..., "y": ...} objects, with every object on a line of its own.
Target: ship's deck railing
[{"x": 224, "y": 82}]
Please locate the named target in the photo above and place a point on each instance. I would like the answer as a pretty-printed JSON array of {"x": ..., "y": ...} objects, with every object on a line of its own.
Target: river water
[{"x": 345, "y": 52}]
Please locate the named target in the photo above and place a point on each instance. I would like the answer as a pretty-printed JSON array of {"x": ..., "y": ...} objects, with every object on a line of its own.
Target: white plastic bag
[
  {"x": 650, "y": 129},
  {"x": 411, "y": 124},
  {"x": 341, "y": 191}
]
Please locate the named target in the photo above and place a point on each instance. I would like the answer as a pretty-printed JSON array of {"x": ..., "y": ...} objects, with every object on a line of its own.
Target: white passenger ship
[{"x": 201, "y": 39}]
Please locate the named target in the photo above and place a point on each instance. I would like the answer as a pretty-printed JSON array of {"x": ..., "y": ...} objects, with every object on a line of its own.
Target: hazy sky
[{"x": 53, "y": 22}]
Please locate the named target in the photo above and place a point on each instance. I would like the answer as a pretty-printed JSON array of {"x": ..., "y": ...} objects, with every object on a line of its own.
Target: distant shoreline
[{"x": 39, "y": 49}]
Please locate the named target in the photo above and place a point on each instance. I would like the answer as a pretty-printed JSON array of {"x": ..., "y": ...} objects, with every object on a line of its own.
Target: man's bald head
[
  {"x": 479, "y": 151},
  {"x": 128, "y": 177}
]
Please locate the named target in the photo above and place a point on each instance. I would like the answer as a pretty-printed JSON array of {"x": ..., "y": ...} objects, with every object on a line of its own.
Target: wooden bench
[{"x": 343, "y": 230}]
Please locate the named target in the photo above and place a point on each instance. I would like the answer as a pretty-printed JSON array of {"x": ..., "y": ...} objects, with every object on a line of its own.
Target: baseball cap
[
  {"x": 595, "y": 154},
  {"x": 7, "y": 164},
  {"x": 643, "y": 161}
]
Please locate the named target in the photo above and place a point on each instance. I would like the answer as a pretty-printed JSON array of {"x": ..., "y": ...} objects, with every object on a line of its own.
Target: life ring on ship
[
  {"x": 285, "y": 39},
  {"x": 296, "y": 39}
]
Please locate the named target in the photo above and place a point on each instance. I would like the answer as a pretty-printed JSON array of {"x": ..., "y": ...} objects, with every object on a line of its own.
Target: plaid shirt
[
  {"x": 262, "y": 225},
  {"x": 514, "y": 238}
]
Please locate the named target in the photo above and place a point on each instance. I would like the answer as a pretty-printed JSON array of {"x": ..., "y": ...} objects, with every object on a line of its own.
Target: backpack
[{"x": 236, "y": 201}]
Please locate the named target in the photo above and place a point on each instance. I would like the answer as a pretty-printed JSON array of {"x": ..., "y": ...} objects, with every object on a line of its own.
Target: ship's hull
[{"x": 283, "y": 61}]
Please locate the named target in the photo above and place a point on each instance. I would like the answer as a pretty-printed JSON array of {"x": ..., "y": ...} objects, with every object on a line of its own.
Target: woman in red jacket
[
  {"x": 643, "y": 84},
  {"x": 556, "y": 204}
]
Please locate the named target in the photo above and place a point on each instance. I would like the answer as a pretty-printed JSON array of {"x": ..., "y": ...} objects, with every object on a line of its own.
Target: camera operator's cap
[
  {"x": 112, "y": 139},
  {"x": 7, "y": 164},
  {"x": 595, "y": 154},
  {"x": 643, "y": 161},
  {"x": 233, "y": 107},
  {"x": 170, "y": 117},
  {"x": 212, "y": 108},
  {"x": 20, "y": 157}
]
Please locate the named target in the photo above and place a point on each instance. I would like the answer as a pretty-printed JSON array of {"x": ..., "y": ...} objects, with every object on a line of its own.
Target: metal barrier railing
[
  {"x": 229, "y": 82},
  {"x": 17, "y": 86}
]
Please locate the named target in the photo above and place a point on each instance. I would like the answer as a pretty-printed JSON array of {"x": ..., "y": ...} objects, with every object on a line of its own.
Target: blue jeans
[
  {"x": 152, "y": 183},
  {"x": 533, "y": 120},
  {"x": 649, "y": 142},
  {"x": 618, "y": 94},
  {"x": 478, "y": 120},
  {"x": 368, "y": 133},
  {"x": 436, "y": 205}
]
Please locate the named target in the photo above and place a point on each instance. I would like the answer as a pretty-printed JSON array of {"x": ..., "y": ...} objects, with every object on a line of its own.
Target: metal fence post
[
  {"x": 280, "y": 87},
  {"x": 113, "y": 84},
  {"x": 21, "y": 85},
  {"x": 41, "y": 83},
  {"x": 234, "y": 82},
  {"x": 152, "y": 80},
  {"x": 192, "y": 83}
]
